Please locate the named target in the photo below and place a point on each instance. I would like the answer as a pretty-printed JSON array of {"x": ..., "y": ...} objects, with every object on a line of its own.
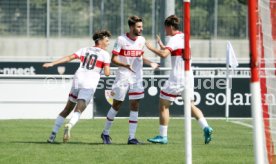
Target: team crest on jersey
[{"x": 140, "y": 45}]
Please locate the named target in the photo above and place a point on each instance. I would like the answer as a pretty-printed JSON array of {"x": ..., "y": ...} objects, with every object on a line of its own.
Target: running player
[
  {"x": 175, "y": 84},
  {"x": 128, "y": 55},
  {"x": 92, "y": 61}
]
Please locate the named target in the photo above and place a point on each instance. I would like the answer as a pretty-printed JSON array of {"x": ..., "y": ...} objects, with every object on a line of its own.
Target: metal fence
[{"x": 71, "y": 18}]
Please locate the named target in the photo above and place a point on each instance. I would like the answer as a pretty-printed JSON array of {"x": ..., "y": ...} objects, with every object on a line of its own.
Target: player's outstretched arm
[
  {"x": 64, "y": 59},
  {"x": 152, "y": 64},
  {"x": 162, "y": 53},
  {"x": 116, "y": 61}
]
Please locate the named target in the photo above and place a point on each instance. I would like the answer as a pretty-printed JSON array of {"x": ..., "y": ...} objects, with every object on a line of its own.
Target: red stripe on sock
[{"x": 133, "y": 122}]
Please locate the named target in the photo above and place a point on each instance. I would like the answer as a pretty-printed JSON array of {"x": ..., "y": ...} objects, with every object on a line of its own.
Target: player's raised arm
[
  {"x": 160, "y": 43},
  {"x": 162, "y": 53},
  {"x": 64, "y": 59}
]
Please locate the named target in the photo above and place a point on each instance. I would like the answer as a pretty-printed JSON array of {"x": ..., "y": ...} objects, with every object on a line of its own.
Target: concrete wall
[
  {"x": 35, "y": 99},
  {"x": 36, "y": 47}
]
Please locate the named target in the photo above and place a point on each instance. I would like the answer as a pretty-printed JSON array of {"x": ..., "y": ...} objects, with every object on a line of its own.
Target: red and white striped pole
[
  {"x": 186, "y": 95},
  {"x": 256, "y": 106}
]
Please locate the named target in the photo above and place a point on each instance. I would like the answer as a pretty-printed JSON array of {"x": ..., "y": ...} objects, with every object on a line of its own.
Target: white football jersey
[
  {"x": 175, "y": 44},
  {"x": 130, "y": 51},
  {"x": 92, "y": 62}
]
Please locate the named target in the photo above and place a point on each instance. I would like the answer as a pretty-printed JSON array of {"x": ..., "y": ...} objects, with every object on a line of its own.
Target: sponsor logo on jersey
[{"x": 131, "y": 53}]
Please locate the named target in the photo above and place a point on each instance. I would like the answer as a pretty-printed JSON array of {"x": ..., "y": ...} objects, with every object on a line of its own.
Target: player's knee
[
  {"x": 134, "y": 105},
  {"x": 164, "y": 103},
  {"x": 81, "y": 105},
  {"x": 116, "y": 105},
  {"x": 65, "y": 113}
]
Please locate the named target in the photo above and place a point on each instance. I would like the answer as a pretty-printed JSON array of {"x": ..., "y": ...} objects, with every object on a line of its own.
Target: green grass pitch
[{"x": 24, "y": 141}]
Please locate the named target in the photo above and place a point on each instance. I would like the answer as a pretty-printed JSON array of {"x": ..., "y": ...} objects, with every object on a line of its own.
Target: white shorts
[
  {"x": 121, "y": 87},
  {"x": 171, "y": 90},
  {"x": 85, "y": 94}
]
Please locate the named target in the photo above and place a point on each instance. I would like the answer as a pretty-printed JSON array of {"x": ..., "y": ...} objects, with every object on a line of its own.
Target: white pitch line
[
  {"x": 249, "y": 126},
  {"x": 242, "y": 123}
]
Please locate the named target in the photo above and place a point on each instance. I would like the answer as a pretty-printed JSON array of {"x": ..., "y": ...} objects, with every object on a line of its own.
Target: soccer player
[
  {"x": 175, "y": 84},
  {"x": 92, "y": 61},
  {"x": 128, "y": 56}
]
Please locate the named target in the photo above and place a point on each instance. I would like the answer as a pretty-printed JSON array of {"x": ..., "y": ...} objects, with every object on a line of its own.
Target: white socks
[
  {"x": 202, "y": 122},
  {"x": 75, "y": 118},
  {"x": 58, "y": 123},
  {"x": 133, "y": 120},
  {"x": 109, "y": 120},
  {"x": 163, "y": 130}
]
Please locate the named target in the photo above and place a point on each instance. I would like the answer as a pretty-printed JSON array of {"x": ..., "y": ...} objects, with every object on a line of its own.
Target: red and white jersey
[
  {"x": 92, "y": 62},
  {"x": 130, "y": 51},
  {"x": 175, "y": 44}
]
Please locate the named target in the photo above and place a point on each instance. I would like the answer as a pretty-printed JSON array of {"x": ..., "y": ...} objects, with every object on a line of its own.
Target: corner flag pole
[
  {"x": 186, "y": 95},
  {"x": 231, "y": 61}
]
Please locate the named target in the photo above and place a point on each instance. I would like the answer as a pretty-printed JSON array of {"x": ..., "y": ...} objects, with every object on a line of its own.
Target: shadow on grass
[{"x": 75, "y": 143}]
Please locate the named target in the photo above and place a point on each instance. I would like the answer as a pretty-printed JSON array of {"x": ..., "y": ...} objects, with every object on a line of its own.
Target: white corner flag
[
  {"x": 231, "y": 61},
  {"x": 231, "y": 56}
]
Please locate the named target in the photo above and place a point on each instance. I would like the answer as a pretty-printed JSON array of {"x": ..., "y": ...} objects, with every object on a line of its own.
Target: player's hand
[
  {"x": 159, "y": 41},
  {"x": 129, "y": 67},
  {"x": 149, "y": 45},
  {"x": 47, "y": 65},
  {"x": 154, "y": 65}
]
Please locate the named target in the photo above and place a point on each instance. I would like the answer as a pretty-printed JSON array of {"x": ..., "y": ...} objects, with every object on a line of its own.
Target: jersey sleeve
[
  {"x": 117, "y": 47},
  {"x": 78, "y": 53},
  {"x": 143, "y": 46},
  {"x": 170, "y": 44},
  {"x": 107, "y": 59}
]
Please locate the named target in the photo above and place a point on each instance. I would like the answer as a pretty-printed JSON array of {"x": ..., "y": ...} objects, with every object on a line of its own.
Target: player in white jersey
[
  {"x": 175, "y": 84},
  {"x": 128, "y": 55},
  {"x": 92, "y": 61}
]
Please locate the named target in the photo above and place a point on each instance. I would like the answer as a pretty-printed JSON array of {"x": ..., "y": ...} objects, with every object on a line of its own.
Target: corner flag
[
  {"x": 231, "y": 56},
  {"x": 231, "y": 61}
]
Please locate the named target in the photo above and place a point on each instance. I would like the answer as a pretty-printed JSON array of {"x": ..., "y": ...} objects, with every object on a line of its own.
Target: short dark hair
[
  {"x": 99, "y": 35},
  {"x": 134, "y": 19},
  {"x": 173, "y": 21}
]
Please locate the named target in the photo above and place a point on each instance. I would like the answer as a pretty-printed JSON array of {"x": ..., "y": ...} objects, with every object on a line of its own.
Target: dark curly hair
[
  {"x": 99, "y": 35},
  {"x": 134, "y": 19}
]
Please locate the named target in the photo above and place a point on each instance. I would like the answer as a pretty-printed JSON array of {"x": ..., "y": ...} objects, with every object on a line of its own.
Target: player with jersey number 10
[{"x": 93, "y": 60}]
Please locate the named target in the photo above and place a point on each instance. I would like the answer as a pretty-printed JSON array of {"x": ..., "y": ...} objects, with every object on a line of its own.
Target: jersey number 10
[{"x": 89, "y": 61}]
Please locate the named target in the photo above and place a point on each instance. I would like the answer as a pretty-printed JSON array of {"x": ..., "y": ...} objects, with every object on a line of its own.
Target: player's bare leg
[
  {"x": 164, "y": 118},
  {"x": 133, "y": 121},
  {"x": 207, "y": 130},
  {"x": 117, "y": 104},
  {"x": 109, "y": 120},
  {"x": 60, "y": 120},
  {"x": 81, "y": 105},
  {"x": 68, "y": 109}
]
